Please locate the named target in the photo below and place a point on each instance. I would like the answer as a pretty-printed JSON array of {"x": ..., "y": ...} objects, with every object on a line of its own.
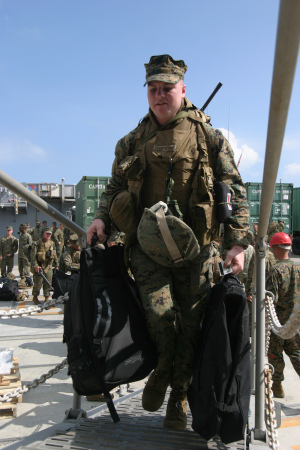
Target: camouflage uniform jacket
[
  {"x": 58, "y": 237},
  {"x": 224, "y": 169},
  {"x": 284, "y": 282},
  {"x": 69, "y": 261},
  {"x": 37, "y": 233},
  {"x": 24, "y": 239},
  {"x": 8, "y": 245},
  {"x": 43, "y": 254}
]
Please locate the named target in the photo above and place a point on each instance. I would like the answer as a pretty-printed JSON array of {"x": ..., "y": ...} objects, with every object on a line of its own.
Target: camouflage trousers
[
  {"x": 59, "y": 251},
  {"x": 24, "y": 267},
  {"x": 38, "y": 282},
  {"x": 291, "y": 347},
  {"x": 173, "y": 310},
  {"x": 7, "y": 263}
]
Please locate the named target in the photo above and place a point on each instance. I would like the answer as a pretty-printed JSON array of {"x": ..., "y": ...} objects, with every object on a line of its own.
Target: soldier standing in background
[
  {"x": 44, "y": 225},
  {"x": 28, "y": 229},
  {"x": 24, "y": 264},
  {"x": 59, "y": 240},
  {"x": 67, "y": 233},
  {"x": 284, "y": 282},
  {"x": 8, "y": 247},
  {"x": 43, "y": 256},
  {"x": 53, "y": 229},
  {"x": 275, "y": 227},
  {"x": 70, "y": 259},
  {"x": 37, "y": 232}
]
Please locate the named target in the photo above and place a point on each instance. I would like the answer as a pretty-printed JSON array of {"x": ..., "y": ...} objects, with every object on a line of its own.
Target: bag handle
[{"x": 167, "y": 236}]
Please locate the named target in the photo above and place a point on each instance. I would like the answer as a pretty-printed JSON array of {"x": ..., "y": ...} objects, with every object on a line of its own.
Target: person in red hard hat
[{"x": 284, "y": 282}]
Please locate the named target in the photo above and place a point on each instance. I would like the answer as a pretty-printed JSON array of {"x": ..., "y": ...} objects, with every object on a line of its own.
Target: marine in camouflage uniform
[
  {"x": 67, "y": 233},
  {"x": 43, "y": 256},
  {"x": 23, "y": 263},
  {"x": 174, "y": 310},
  {"x": 70, "y": 259},
  {"x": 37, "y": 231},
  {"x": 284, "y": 282},
  {"x": 275, "y": 227},
  {"x": 8, "y": 247},
  {"x": 58, "y": 239}
]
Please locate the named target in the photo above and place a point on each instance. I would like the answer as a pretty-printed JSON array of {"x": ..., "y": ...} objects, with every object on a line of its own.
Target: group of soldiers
[
  {"x": 40, "y": 250},
  {"x": 283, "y": 280}
]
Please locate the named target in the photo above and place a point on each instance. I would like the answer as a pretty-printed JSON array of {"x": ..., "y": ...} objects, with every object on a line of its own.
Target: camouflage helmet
[
  {"x": 166, "y": 239},
  {"x": 74, "y": 238},
  {"x": 165, "y": 68}
]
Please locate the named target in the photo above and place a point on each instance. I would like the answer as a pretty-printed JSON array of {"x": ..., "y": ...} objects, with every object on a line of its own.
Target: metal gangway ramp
[{"x": 137, "y": 429}]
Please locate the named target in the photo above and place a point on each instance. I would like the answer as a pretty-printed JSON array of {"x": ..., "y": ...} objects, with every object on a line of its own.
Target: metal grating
[{"x": 137, "y": 429}]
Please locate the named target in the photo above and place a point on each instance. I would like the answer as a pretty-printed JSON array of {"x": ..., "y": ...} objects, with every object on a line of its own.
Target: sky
[{"x": 72, "y": 75}]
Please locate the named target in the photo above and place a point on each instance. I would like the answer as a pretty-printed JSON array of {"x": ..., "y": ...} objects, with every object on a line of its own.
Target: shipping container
[
  {"x": 88, "y": 193},
  {"x": 282, "y": 205},
  {"x": 296, "y": 221}
]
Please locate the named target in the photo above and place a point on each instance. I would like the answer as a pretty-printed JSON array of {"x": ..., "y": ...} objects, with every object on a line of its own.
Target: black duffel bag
[
  {"x": 8, "y": 289},
  {"x": 62, "y": 282}
]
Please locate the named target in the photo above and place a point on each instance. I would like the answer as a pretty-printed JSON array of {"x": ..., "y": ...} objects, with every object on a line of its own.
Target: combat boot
[
  {"x": 277, "y": 389},
  {"x": 176, "y": 417},
  {"x": 155, "y": 390},
  {"x": 35, "y": 300},
  {"x": 46, "y": 299}
]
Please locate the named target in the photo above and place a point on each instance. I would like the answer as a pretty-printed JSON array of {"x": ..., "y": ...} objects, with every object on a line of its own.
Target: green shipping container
[
  {"x": 282, "y": 205},
  {"x": 88, "y": 193}
]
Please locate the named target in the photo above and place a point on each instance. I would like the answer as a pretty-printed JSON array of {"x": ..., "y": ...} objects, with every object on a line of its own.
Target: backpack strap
[{"x": 94, "y": 264}]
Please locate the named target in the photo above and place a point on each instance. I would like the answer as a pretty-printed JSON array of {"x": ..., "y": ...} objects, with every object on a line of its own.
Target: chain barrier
[
  {"x": 22, "y": 312},
  {"x": 286, "y": 331},
  {"x": 9, "y": 396},
  {"x": 271, "y": 422},
  {"x": 291, "y": 327}
]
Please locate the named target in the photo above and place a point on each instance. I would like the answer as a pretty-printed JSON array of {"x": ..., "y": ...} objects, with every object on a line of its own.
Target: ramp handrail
[
  {"x": 285, "y": 62},
  {"x": 39, "y": 203}
]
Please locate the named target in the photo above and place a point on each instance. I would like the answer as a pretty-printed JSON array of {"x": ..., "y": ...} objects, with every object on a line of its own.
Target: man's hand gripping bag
[
  {"x": 219, "y": 395},
  {"x": 104, "y": 327}
]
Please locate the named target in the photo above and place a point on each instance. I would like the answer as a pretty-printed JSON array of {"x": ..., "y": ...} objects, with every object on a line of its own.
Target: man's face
[
  {"x": 47, "y": 236},
  {"x": 44, "y": 224},
  {"x": 38, "y": 225},
  {"x": 165, "y": 99},
  {"x": 22, "y": 229},
  {"x": 9, "y": 233}
]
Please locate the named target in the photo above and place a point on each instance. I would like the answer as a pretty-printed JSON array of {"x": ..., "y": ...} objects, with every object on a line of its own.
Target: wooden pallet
[
  {"x": 8, "y": 383},
  {"x": 8, "y": 410}
]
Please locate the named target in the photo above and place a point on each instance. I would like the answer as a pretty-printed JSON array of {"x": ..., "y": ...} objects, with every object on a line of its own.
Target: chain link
[
  {"x": 22, "y": 312},
  {"x": 271, "y": 422},
  {"x": 9, "y": 396}
]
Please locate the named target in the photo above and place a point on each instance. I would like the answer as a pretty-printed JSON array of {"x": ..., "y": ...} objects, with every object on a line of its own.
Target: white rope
[{"x": 291, "y": 327}]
